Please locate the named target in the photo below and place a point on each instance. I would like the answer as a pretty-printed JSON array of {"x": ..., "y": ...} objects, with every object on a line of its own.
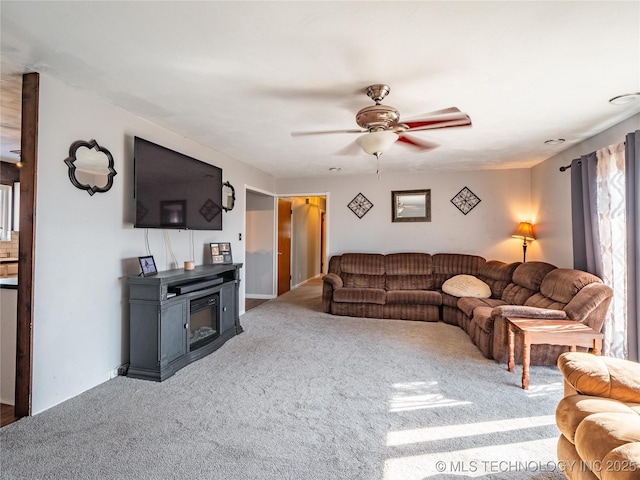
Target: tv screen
[{"x": 173, "y": 190}]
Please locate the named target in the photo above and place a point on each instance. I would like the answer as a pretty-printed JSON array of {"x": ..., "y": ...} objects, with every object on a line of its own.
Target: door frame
[
  {"x": 289, "y": 201},
  {"x": 275, "y": 197},
  {"x": 26, "y": 246},
  {"x": 327, "y": 236},
  {"x": 274, "y": 252}
]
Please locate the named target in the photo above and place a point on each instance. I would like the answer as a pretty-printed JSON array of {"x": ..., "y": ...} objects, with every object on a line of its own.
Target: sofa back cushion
[
  {"x": 527, "y": 278},
  {"x": 559, "y": 287},
  {"x": 409, "y": 271},
  {"x": 447, "y": 265},
  {"x": 362, "y": 270},
  {"x": 497, "y": 275},
  {"x": 563, "y": 284}
]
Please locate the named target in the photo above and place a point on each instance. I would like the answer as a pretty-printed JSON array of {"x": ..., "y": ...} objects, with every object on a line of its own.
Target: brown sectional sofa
[{"x": 408, "y": 286}]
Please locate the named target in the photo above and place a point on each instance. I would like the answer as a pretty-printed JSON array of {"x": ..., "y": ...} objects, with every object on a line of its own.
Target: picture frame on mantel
[
  {"x": 221, "y": 253},
  {"x": 411, "y": 205},
  {"x": 148, "y": 266}
]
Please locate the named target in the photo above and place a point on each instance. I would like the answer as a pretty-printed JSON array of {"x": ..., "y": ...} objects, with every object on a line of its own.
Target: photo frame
[
  {"x": 173, "y": 213},
  {"x": 148, "y": 266},
  {"x": 221, "y": 253},
  {"x": 411, "y": 206}
]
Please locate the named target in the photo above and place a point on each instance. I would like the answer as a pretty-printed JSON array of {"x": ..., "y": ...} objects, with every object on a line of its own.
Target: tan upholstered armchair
[{"x": 599, "y": 418}]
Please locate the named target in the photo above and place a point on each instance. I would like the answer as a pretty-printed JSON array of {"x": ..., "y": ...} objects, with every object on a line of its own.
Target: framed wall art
[
  {"x": 465, "y": 200},
  {"x": 411, "y": 206},
  {"x": 360, "y": 205}
]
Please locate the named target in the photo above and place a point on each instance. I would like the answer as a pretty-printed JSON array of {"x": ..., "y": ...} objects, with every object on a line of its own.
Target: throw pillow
[{"x": 466, "y": 286}]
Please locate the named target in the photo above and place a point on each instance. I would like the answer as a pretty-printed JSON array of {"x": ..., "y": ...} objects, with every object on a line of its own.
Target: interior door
[
  {"x": 323, "y": 245},
  {"x": 284, "y": 246}
]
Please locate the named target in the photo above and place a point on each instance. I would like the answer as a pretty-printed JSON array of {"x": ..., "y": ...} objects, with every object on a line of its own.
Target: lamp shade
[
  {"x": 377, "y": 142},
  {"x": 524, "y": 231}
]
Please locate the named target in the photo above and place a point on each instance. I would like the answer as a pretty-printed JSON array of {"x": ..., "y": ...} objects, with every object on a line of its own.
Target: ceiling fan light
[
  {"x": 377, "y": 142},
  {"x": 624, "y": 99}
]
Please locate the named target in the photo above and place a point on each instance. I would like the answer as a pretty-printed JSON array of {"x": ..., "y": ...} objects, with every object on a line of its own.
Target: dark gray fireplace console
[{"x": 179, "y": 316}]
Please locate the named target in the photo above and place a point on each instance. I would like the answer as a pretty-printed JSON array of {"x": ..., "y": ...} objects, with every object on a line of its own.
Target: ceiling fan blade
[
  {"x": 446, "y": 121},
  {"x": 325, "y": 132},
  {"x": 419, "y": 144},
  {"x": 444, "y": 111},
  {"x": 351, "y": 149}
]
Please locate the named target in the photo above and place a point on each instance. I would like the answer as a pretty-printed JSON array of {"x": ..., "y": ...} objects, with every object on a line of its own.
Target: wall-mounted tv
[{"x": 173, "y": 190}]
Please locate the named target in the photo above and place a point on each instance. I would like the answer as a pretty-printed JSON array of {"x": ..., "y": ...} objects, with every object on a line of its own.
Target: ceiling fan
[{"x": 382, "y": 127}]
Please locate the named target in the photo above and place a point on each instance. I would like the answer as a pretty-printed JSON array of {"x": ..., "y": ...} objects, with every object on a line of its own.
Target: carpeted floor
[{"x": 305, "y": 395}]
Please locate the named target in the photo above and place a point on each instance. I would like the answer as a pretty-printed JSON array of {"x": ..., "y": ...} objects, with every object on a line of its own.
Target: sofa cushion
[
  {"x": 408, "y": 271},
  {"x": 446, "y": 265},
  {"x": 467, "y": 304},
  {"x": 362, "y": 270},
  {"x": 531, "y": 274},
  {"x": 497, "y": 275},
  {"x": 449, "y": 300},
  {"x": 600, "y": 433},
  {"x": 625, "y": 462},
  {"x": 590, "y": 305},
  {"x": 527, "y": 278},
  {"x": 483, "y": 319},
  {"x": 360, "y": 295},
  {"x": 574, "y": 409},
  {"x": 602, "y": 376},
  {"x": 562, "y": 284},
  {"x": 466, "y": 286},
  {"x": 362, "y": 263},
  {"x": 559, "y": 287},
  {"x": 538, "y": 300},
  {"x": 409, "y": 297},
  {"x": 516, "y": 294}
]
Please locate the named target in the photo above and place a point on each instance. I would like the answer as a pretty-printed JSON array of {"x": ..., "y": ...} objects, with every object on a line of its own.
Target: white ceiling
[{"x": 241, "y": 76}]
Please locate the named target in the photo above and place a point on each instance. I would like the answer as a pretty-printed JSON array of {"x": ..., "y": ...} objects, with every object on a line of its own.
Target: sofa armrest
[
  {"x": 333, "y": 279},
  {"x": 330, "y": 282},
  {"x": 521, "y": 311},
  {"x": 601, "y": 376}
]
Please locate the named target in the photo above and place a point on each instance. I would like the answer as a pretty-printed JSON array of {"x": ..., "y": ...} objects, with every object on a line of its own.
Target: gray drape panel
[
  {"x": 584, "y": 216},
  {"x": 632, "y": 179}
]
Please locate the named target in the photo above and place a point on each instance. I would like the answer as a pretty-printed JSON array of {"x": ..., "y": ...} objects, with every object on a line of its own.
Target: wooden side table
[{"x": 551, "y": 332}]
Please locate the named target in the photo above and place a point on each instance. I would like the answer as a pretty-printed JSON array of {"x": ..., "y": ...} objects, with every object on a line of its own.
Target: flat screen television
[{"x": 173, "y": 190}]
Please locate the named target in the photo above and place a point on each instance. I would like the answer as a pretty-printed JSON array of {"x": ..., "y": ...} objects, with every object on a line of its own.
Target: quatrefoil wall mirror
[
  {"x": 228, "y": 196},
  {"x": 90, "y": 167}
]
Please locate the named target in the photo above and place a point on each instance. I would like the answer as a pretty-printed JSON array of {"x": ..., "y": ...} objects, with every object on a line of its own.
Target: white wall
[
  {"x": 260, "y": 247},
  {"x": 486, "y": 230},
  {"x": 86, "y": 245},
  {"x": 551, "y": 194}
]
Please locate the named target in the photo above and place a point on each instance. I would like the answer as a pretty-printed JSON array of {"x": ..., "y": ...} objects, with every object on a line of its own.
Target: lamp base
[{"x": 524, "y": 252}]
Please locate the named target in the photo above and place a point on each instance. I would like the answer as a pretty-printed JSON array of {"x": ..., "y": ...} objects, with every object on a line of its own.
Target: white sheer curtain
[{"x": 611, "y": 214}]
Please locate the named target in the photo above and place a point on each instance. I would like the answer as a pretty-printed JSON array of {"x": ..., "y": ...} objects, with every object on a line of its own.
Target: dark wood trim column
[{"x": 29, "y": 158}]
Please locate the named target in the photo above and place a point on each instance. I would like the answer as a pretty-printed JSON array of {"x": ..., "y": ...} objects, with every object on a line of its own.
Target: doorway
[
  {"x": 286, "y": 242},
  {"x": 23, "y": 116},
  {"x": 302, "y": 228}
]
